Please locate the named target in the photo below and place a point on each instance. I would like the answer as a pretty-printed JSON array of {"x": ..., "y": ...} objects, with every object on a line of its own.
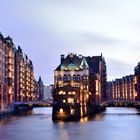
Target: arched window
[
  {"x": 84, "y": 77},
  {"x": 69, "y": 78},
  {"x": 78, "y": 78},
  {"x": 74, "y": 77},
  {"x": 61, "y": 110}
]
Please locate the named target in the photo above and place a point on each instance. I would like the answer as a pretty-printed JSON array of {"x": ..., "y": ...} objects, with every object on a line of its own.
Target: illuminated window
[
  {"x": 60, "y": 92},
  {"x": 61, "y": 110},
  {"x": 88, "y": 95},
  {"x": 72, "y": 111},
  {"x": 73, "y": 92},
  {"x": 64, "y": 101},
  {"x": 10, "y": 90},
  {"x": 70, "y": 100}
]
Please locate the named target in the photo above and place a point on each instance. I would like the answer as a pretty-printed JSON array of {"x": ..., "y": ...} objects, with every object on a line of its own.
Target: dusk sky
[{"x": 45, "y": 29}]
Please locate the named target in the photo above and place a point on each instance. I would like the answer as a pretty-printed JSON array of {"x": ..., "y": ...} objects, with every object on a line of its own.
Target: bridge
[
  {"x": 35, "y": 103},
  {"x": 23, "y": 107},
  {"x": 120, "y": 103}
]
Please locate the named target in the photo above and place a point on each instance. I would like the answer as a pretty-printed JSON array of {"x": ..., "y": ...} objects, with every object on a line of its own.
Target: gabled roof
[
  {"x": 84, "y": 64},
  {"x": 9, "y": 40},
  {"x": 73, "y": 62},
  {"x": 1, "y": 36},
  {"x": 40, "y": 80}
]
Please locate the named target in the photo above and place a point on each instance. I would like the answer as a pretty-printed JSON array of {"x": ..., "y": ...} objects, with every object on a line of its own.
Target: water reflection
[
  {"x": 121, "y": 111},
  {"x": 97, "y": 117},
  {"x": 109, "y": 125},
  {"x": 7, "y": 120}
]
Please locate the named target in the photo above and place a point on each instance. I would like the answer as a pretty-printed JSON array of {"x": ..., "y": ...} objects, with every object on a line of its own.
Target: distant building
[
  {"x": 48, "y": 92},
  {"x": 39, "y": 89},
  {"x": 123, "y": 88},
  {"x": 71, "y": 88}
]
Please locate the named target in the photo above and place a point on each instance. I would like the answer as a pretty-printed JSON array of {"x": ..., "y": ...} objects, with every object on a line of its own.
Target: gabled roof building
[
  {"x": 79, "y": 84},
  {"x": 71, "y": 88}
]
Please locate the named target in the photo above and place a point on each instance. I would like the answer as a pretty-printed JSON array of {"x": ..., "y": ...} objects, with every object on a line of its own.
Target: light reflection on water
[{"x": 113, "y": 124}]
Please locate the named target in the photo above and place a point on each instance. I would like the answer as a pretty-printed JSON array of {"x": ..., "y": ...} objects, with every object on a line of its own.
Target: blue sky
[{"x": 47, "y": 28}]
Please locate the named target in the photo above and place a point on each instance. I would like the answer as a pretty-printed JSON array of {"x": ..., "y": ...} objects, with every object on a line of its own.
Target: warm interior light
[
  {"x": 10, "y": 90},
  {"x": 72, "y": 111},
  {"x": 73, "y": 93},
  {"x": 64, "y": 101},
  {"x": 60, "y": 92},
  {"x": 61, "y": 110},
  {"x": 87, "y": 96},
  {"x": 70, "y": 100}
]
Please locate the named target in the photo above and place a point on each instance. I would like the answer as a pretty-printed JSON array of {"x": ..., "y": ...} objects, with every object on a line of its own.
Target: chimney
[
  {"x": 101, "y": 55},
  {"x": 62, "y": 58},
  {"x": 80, "y": 56}
]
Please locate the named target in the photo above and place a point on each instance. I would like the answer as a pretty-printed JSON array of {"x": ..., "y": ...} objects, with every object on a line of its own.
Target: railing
[{"x": 121, "y": 103}]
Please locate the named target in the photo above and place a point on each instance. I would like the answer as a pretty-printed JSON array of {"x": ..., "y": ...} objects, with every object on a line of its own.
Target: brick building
[
  {"x": 123, "y": 88},
  {"x": 17, "y": 82},
  {"x": 71, "y": 88}
]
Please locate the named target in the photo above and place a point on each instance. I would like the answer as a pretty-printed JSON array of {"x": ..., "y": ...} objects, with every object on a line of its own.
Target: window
[
  {"x": 70, "y": 100},
  {"x": 69, "y": 78},
  {"x": 61, "y": 110},
  {"x": 73, "y": 92},
  {"x": 78, "y": 78},
  {"x": 59, "y": 78},
  {"x": 74, "y": 77},
  {"x": 60, "y": 92},
  {"x": 64, "y": 101},
  {"x": 65, "y": 77},
  {"x": 72, "y": 111},
  {"x": 84, "y": 77}
]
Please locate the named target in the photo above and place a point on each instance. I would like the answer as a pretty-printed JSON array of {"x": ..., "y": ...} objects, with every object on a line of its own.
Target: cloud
[
  {"x": 47, "y": 28},
  {"x": 97, "y": 38},
  {"x": 117, "y": 69}
]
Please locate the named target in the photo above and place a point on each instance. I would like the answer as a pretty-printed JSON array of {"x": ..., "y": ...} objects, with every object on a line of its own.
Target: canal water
[{"x": 113, "y": 124}]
